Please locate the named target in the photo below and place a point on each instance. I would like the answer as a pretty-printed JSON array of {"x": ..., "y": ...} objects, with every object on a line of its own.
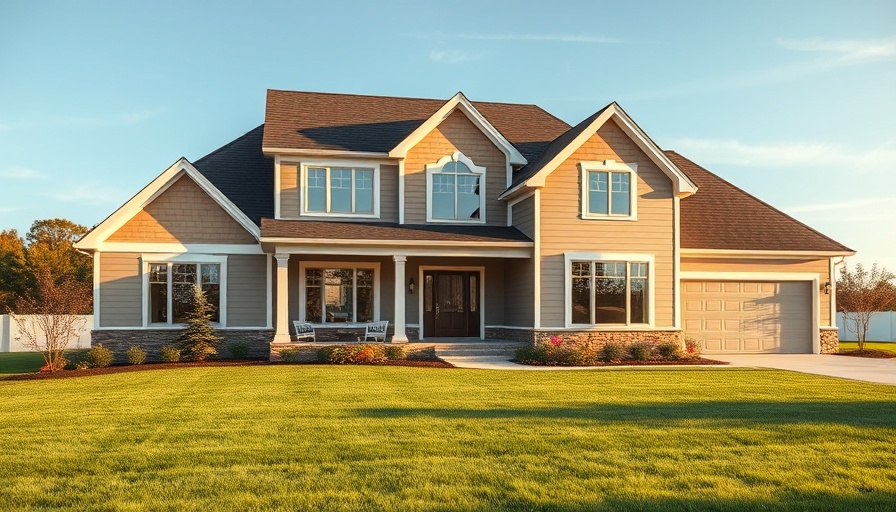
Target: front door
[{"x": 450, "y": 303}]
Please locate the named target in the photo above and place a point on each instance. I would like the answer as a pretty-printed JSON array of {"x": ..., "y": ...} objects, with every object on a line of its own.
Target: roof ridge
[{"x": 754, "y": 198}]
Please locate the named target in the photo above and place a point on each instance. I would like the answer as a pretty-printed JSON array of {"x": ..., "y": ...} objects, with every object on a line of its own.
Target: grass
[
  {"x": 12, "y": 363},
  {"x": 398, "y": 438},
  {"x": 876, "y": 345}
]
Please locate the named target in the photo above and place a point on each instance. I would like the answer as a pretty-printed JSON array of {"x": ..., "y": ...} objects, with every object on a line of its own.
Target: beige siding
[
  {"x": 184, "y": 213},
  {"x": 562, "y": 229},
  {"x": 524, "y": 216},
  {"x": 456, "y": 133},
  {"x": 121, "y": 289},
  {"x": 289, "y": 191},
  {"x": 246, "y": 290},
  {"x": 290, "y": 195},
  {"x": 519, "y": 292},
  {"x": 820, "y": 267}
]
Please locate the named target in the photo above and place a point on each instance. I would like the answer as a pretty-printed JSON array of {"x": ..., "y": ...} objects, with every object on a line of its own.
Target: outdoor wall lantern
[
  {"x": 411, "y": 286},
  {"x": 827, "y": 288}
]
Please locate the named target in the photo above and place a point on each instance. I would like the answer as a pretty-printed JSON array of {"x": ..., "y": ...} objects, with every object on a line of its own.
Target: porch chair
[
  {"x": 304, "y": 330},
  {"x": 376, "y": 330}
]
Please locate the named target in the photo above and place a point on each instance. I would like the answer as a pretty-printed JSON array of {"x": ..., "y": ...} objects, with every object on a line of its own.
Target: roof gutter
[{"x": 762, "y": 254}]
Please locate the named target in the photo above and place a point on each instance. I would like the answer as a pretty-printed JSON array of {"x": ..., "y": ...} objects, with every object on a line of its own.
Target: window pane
[
  {"x": 182, "y": 302},
  {"x": 341, "y": 190},
  {"x": 581, "y": 292},
  {"x": 638, "y": 301},
  {"x": 621, "y": 200},
  {"x": 474, "y": 293},
  {"x": 338, "y": 294},
  {"x": 443, "y": 196},
  {"x": 313, "y": 305},
  {"x": 365, "y": 295},
  {"x": 363, "y": 191},
  {"x": 316, "y": 200},
  {"x": 609, "y": 300},
  {"x": 467, "y": 197},
  {"x": 427, "y": 293},
  {"x": 598, "y": 193},
  {"x": 211, "y": 273},
  {"x": 213, "y": 294}
]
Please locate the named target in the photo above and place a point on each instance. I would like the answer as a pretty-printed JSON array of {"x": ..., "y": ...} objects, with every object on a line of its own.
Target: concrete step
[{"x": 502, "y": 349}]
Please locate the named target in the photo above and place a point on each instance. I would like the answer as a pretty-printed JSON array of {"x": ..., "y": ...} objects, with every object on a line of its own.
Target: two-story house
[{"x": 458, "y": 219}]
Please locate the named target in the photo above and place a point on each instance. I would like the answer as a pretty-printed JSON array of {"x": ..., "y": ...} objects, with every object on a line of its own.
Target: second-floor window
[
  {"x": 332, "y": 190},
  {"x": 455, "y": 190}
]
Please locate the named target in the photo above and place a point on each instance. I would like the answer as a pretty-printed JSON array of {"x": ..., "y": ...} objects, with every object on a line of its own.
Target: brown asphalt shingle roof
[
  {"x": 388, "y": 231},
  {"x": 722, "y": 216},
  {"x": 351, "y": 122}
]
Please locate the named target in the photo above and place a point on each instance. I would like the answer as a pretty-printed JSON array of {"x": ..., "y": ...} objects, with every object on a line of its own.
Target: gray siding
[
  {"x": 523, "y": 216},
  {"x": 246, "y": 290},
  {"x": 121, "y": 289},
  {"x": 519, "y": 292}
]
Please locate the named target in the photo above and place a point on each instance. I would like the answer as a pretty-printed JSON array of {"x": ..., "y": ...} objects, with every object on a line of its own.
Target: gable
[{"x": 184, "y": 214}]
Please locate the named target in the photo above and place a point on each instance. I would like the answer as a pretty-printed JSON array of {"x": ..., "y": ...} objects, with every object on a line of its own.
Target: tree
[
  {"x": 199, "y": 340},
  {"x": 50, "y": 316},
  {"x": 14, "y": 275},
  {"x": 50, "y": 246},
  {"x": 861, "y": 294}
]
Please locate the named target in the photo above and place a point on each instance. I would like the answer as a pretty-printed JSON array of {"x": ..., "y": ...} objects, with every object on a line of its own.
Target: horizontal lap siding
[
  {"x": 246, "y": 290},
  {"x": 762, "y": 266},
  {"x": 456, "y": 133},
  {"x": 523, "y": 216},
  {"x": 519, "y": 274},
  {"x": 185, "y": 214},
  {"x": 562, "y": 229},
  {"x": 121, "y": 289},
  {"x": 290, "y": 200}
]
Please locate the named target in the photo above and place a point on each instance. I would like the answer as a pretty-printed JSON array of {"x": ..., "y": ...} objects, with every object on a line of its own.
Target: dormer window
[
  {"x": 609, "y": 190},
  {"x": 340, "y": 190},
  {"x": 455, "y": 189}
]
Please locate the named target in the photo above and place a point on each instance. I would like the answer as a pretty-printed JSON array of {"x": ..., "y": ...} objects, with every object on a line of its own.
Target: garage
[{"x": 749, "y": 316}]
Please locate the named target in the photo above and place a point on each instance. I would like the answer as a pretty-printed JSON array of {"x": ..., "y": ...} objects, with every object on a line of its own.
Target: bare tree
[
  {"x": 51, "y": 316},
  {"x": 862, "y": 293}
]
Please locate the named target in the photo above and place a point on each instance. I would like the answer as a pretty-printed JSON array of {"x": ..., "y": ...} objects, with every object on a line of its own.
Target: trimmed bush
[
  {"x": 239, "y": 350},
  {"x": 98, "y": 357},
  {"x": 136, "y": 355},
  {"x": 692, "y": 348},
  {"x": 394, "y": 352},
  {"x": 531, "y": 355},
  {"x": 669, "y": 350},
  {"x": 612, "y": 353},
  {"x": 290, "y": 355},
  {"x": 640, "y": 351},
  {"x": 169, "y": 354}
]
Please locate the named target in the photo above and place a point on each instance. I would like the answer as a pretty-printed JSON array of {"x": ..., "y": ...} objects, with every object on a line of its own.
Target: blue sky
[{"x": 794, "y": 102}]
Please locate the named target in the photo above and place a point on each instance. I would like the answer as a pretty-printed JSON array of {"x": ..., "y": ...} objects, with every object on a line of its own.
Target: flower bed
[{"x": 559, "y": 353}]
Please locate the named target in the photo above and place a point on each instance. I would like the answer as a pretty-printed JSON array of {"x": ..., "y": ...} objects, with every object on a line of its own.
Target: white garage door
[{"x": 731, "y": 316}]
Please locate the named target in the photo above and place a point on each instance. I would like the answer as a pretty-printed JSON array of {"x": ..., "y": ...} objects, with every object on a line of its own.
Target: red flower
[{"x": 556, "y": 340}]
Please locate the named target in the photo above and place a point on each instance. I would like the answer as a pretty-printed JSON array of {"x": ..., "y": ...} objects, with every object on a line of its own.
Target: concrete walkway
[{"x": 882, "y": 371}]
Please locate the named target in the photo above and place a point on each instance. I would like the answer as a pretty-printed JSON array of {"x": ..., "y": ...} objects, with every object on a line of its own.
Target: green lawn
[
  {"x": 397, "y": 438},
  {"x": 25, "y": 362},
  {"x": 877, "y": 345}
]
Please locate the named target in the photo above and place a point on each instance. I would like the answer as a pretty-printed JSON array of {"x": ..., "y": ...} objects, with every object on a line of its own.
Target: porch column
[
  {"x": 281, "y": 335},
  {"x": 400, "y": 336}
]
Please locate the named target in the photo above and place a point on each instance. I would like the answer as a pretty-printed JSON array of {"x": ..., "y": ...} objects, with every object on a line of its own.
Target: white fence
[
  {"x": 881, "y": 328},
  {"x": 9, "y": 331}
]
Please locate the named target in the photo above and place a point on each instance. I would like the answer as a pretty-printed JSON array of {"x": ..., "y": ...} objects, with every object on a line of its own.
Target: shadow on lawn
[{"x": 859, "y": 413}]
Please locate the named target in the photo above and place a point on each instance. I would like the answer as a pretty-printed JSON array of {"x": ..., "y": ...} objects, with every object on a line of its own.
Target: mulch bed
[
  {"x": 65, "y": 374},
  {"x": 677, "y": 362},
  {"x": 868, "y": 352}
]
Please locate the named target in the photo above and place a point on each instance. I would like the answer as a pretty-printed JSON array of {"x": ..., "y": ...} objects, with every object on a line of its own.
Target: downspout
[{"x": 833, "y": 277}]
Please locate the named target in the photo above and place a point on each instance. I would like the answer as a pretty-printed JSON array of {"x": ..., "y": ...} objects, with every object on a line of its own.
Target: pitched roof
[
  {"x": 272, "y": 228},
  {"x": 351, "y": 122},
  {"x": 241, "y": 172},
  {"x": 722, "y": 216}
]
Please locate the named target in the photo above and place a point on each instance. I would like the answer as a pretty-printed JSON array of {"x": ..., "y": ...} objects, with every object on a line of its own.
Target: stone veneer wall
[
  {"x": 152, "y": 340},
  {"x": 594, "y": 339},
  {"x": 830, "y": 341}
]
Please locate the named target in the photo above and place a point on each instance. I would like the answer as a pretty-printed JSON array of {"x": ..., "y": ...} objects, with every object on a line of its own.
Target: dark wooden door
[{"x": 450, "y": 303}]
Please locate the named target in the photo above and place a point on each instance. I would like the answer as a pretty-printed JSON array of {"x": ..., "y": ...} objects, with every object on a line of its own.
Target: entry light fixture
[
  {"x": 412, "y": 285},
  {"x": 827, "y": 288}
]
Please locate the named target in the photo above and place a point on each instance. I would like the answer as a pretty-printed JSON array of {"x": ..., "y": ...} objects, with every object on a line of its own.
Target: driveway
[{"x": 882, "y": 371}]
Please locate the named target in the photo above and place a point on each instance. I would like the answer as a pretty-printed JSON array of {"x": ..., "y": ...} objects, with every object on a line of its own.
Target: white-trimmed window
[
  {"x": 609, "y": 190},
  {"x": 609, "y": 290},
  {"x": 340, "y": 190},
  {"x": 168, "y": 288},
  {"x": 455, "y": 190},
  {"x": 339, "y": 293}
]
